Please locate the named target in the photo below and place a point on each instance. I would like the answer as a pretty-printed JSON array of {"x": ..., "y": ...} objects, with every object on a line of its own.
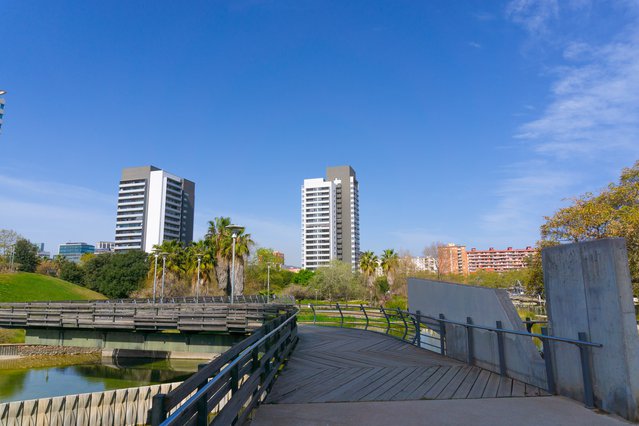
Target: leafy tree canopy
[
  {"x": 26, "y": 256},
  {"x": 612, "y": 213}
]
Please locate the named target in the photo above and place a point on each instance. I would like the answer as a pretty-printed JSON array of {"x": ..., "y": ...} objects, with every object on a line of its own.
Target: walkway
[{"x": 370, "y": 378}]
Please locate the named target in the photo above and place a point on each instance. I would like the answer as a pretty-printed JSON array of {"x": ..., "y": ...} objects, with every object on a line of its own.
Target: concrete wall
[
  {"x": 175, "y": 343},
  {"x": 485, "y": 306},
  {"x": 588, "y": 289}
]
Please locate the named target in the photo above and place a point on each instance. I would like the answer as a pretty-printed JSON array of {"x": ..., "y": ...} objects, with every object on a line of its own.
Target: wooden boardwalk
[{"x": 332, "y": 364}]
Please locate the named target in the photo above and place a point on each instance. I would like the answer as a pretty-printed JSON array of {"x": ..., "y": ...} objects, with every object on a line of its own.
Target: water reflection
[{"x": 24, "y": 383}]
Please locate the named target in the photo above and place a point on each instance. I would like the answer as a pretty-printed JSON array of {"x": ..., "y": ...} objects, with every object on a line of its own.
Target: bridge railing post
[
  {"x": 470, "y": 356},
  {"x": 442, "y": 335},
  {"x": 550, "y": 372},
  {"x": 314, "y": 313},
  {"x": 401, "y": 315},
  {"x": 365, "y": 315},
  {"x": 381, "y": 308},
  {"x": 418, "y": 328},
  {"x": 341, "y": 315},
  {"x": 500, "y": 348},
  {"x": 584, "y": 352}
]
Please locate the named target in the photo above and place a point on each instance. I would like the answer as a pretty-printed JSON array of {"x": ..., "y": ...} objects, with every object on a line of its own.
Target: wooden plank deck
[{"x": 333, "y": 364}]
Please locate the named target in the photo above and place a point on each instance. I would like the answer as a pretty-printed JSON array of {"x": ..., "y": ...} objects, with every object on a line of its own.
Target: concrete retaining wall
[
  {"x": 588, "y": 289},
  {"x": 116, "y": 408},
  {"x": 485, "y": 306}
]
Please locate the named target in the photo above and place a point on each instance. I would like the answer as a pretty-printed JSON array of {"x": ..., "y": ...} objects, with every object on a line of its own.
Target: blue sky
[{"x": 465, "y": 121}]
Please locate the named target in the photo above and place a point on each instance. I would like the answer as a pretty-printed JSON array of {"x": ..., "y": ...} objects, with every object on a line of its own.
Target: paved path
[{"x": 354, "y": 377}]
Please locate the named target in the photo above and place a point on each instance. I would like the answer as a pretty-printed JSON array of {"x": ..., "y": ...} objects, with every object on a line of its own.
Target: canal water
[{"x": 89, "y": 376}]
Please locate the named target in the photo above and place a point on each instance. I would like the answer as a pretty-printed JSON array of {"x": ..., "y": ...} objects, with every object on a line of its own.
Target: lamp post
[
  {"x": 234, "y": 229},
  {"x": 197, "y": 287},
  {"x": 155, "y": 276},
  {"x": 268, "y": 281},
  {"x": 163, "y": 274}
]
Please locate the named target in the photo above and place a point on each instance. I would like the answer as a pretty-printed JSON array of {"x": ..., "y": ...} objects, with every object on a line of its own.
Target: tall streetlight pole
[
  {"x": 197, "y": 287},
  {"x": 163, "y": 274},
  {"x": 268, "y": 281},
  {"x": 234, "y": 229},
  {"x": 155, "y": 277}
]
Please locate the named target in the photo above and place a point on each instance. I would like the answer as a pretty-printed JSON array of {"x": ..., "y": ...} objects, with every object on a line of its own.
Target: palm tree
[
  {"x": 368, "y": 265},
  {"x": 220, "y": 239},
  {"x": 223, "y": 248},
  {"x": 390, "y": 261},
  {"x": 205, "y": 250}
]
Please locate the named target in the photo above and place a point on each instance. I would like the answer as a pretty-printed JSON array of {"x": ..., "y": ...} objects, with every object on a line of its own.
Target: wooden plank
[
  {"x": 441, "y": 383},
  {"x": 519, "y": 389},
  {"x": 453, "y": 385},
  {"x": 465, "y": 387},
  {"x": 490, "y": 391},
  {"x": 505, "y": 387},
  {"x": 480, "y": 384},
  {"x": 414, "y": 384},
  {"x": 381, "y": 393}
]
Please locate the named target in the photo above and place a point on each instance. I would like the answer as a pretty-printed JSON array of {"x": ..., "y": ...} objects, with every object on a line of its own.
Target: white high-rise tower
[
  {"x": 330, "y": 218},
  {"x": 153, "y": 206}
]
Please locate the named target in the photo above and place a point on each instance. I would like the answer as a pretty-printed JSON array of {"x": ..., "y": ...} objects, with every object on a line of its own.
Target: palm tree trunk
[
  {"x": 239, "y": 277},
  {"x": 222, "y": 273}
]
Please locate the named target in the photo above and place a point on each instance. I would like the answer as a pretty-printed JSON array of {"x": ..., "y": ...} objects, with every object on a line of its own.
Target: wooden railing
[
  {"x": 238, "y": 380},
  {"x": 235, "y": 318}
]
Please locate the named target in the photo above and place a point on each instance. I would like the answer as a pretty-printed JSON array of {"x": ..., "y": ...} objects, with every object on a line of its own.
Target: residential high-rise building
[
  {"x": 153, "y": 206},
  {"x": 452, "y": 259},
  {"x": 102, "y": 247},
  {"x": 330, "y": 218},
  {"x": 2, "y": 92},
  {"x": 498, "y": 260},
  {"x": 74, "y": 251}
]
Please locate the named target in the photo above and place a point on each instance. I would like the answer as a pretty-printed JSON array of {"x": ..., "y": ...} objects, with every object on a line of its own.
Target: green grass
[{"x": 28, "y": 287}]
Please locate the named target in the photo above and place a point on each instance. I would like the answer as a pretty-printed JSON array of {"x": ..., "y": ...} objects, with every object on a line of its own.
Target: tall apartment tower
[
  {"x": 330, "y": 218},
  {"x": 153, "y": 206},
  {"x": 452, "y": 259}
]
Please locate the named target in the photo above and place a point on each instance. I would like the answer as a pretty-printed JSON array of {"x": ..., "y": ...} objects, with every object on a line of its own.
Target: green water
[{"x": 93, "y": 376}]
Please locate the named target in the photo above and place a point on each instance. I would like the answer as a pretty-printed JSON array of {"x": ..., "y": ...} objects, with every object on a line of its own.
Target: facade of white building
[{"x": 153, "y": 206}]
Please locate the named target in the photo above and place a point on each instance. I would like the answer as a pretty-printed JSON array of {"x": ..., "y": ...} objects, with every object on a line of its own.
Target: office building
[
  {"x": 102, "y": 247},
  {"x": 153, "y": 206},
  {"x": 498, "y": 260},
  {"x": 74, "y": 251},
  {"x": 330, "y": 218},
  {"x": 452, "y": 259}
]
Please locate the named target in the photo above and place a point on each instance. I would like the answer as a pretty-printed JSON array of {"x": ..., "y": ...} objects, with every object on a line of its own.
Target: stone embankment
[{"x": 41, "y": 350}]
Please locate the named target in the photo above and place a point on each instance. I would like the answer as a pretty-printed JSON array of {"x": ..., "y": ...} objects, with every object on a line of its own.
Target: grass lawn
[{"x": 28, "y": 287}]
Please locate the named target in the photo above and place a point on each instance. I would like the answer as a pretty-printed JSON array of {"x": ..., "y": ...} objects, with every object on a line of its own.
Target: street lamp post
[
  {"x": 155, "y": 277},
  {"x": 163, "y": 274},
  {"x": 234, "y": 229},
  {"x": 197, "y": 287}
]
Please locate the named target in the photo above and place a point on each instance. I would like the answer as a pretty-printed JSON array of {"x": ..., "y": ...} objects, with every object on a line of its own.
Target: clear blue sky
[{"x": 465, "y": 121}]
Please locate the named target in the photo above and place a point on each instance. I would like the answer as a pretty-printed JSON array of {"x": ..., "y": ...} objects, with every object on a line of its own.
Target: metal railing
[
  {"x": 414, "y": 327},
  {"x": 227, "y": 389}
]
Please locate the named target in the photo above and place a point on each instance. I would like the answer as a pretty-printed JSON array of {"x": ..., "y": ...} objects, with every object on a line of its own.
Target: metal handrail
[{"x": 223, "y": 373}]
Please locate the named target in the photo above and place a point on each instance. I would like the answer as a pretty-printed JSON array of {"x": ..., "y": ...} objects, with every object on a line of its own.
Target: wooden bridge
[{"x": 142, "y": 315}]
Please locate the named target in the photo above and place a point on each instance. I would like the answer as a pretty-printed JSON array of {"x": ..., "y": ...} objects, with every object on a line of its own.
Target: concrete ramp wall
[
  {"x": 485, "y": 306},
  {"x": 588, "y": 289}
]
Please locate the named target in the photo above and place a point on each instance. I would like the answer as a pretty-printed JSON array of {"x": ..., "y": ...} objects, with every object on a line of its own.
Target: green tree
[
  {"x": 336, "y": 281},
  {"x": 612, "y": 213},
  {"x": 117, "y": 275},
  {"x": 303, "y": 277},
  {"x": 390, "y": 262},
  {"x": 8, "y": 238},
  {"x": 368, "y": 264},
  {"x": 26, "y": 255},
  {"x": 71, "y": 272}
]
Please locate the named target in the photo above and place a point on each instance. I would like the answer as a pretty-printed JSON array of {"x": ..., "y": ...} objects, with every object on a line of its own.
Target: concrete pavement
[{"x": 541, "y": 411}]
